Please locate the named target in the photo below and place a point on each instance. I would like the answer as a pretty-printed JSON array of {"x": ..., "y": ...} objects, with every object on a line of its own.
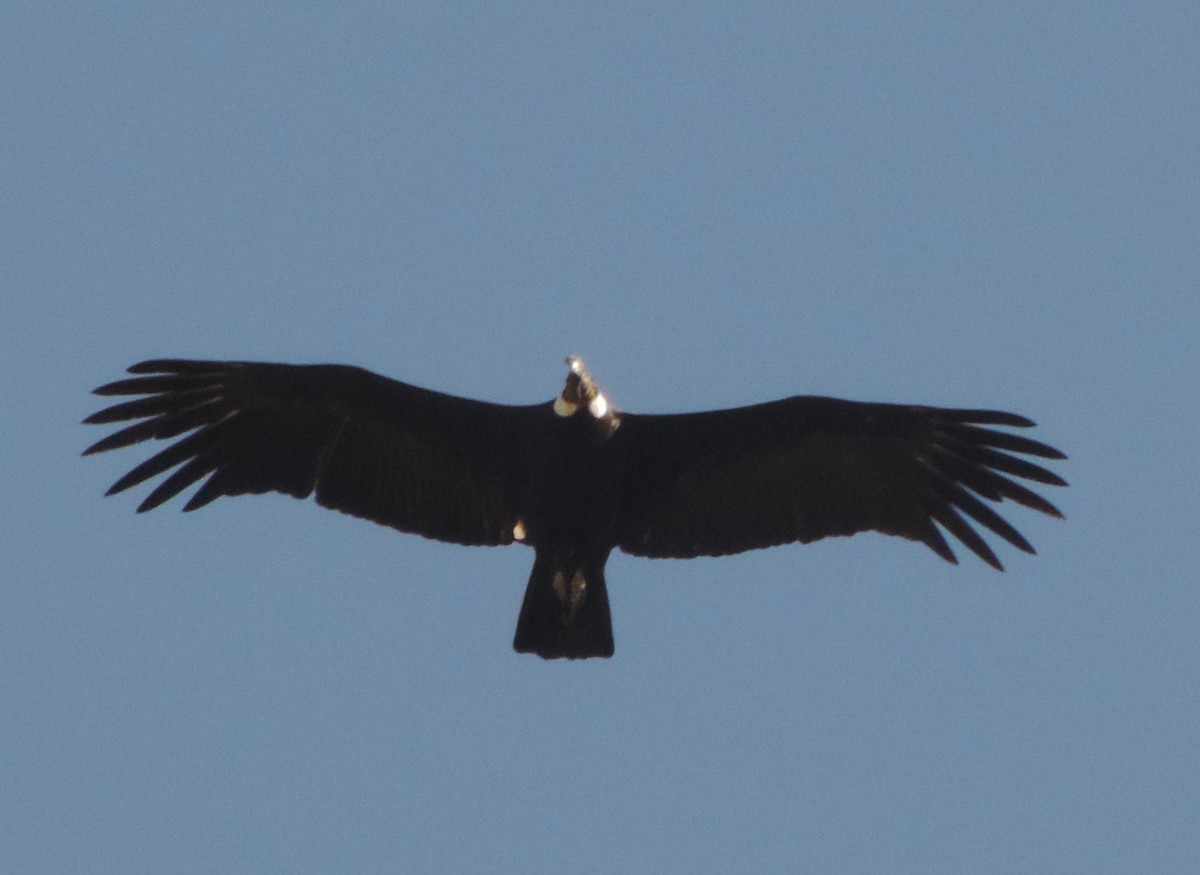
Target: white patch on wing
[
  {"x": 563, "y": 407},
  {"x": 598, "y": 406},
  {"x": 519, "y": 531}
]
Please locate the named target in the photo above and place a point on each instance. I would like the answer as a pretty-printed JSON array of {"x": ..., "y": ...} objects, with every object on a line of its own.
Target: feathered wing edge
[{"x": 966, "y": 462}]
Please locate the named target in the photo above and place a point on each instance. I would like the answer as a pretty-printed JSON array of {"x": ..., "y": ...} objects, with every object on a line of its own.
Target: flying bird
[{"x": 573, "y": 478}]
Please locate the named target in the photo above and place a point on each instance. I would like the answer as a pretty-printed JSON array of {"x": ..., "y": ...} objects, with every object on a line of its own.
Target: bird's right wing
[
  {"x": 806, "y": 468},
  {"x": 419, "y": 461}
]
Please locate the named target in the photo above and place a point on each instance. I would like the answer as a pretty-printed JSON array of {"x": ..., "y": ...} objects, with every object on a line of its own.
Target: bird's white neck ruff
[{"x": 597, "y": 407}]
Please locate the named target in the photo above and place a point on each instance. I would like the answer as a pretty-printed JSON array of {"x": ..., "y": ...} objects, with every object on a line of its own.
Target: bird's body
[
  {"x": 571, "y": 501},
  {"x": 574, "y": 478}
]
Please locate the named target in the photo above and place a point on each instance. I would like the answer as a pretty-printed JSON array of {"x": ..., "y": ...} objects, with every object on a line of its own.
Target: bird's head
[{"x": 581, "y": 390}]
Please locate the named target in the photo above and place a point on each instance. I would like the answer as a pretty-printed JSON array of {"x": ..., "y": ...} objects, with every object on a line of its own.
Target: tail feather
[{"x": 565, "y": 613}]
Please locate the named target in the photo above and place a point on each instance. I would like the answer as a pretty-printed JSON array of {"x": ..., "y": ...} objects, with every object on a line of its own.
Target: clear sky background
[{"x": 715, "y": 204}]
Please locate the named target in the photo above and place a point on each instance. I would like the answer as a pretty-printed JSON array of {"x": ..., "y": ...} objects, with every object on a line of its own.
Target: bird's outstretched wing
[
  {"x": 806, "y": 468},
  {"x": 416, "y": 460}
]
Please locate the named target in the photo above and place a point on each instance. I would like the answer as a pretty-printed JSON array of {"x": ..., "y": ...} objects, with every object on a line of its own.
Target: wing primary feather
[
  {"x": 1002, "y": 440},
  {"x": 159, "y": 385},
  {"x": 932, "y": 538},
  {"x": 946, "y": 515},
  {"x": 213, "y": 488},
  {"x": 154, "y": 405},
  {"x": 981, "y": 417},
  {"x": 974, "y": 453},
  {"x": 183, "y": 366}
]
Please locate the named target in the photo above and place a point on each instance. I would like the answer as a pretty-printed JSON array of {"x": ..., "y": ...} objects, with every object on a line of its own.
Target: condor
[{"x": 574, "y": 478}]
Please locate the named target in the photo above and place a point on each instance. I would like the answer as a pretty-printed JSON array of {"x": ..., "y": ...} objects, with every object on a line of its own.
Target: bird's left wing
[
  {"x": 416, "y": 460},
  {"x": 806, "y": 468}
]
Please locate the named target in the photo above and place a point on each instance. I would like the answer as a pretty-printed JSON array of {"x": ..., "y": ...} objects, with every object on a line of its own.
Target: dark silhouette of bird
[{"x": 574, "y": 478}]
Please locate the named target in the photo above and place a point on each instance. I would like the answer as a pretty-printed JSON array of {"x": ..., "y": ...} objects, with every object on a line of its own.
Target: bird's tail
[{"x": 565, "y": 613}]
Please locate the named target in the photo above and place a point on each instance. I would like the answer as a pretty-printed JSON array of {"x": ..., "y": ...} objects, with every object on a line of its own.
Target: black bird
[{"x": 574, "y": 478}]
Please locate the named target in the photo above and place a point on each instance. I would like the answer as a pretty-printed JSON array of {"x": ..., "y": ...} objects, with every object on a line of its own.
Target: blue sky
[{"x": 954, "y": 204}]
